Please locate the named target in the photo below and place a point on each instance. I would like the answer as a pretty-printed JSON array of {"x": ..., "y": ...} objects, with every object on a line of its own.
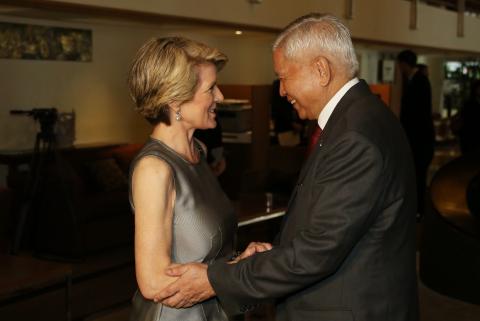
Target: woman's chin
[{"x": 209, "y": 125}]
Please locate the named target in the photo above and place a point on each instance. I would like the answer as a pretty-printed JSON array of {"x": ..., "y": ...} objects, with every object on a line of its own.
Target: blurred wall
[{"x": 97, "y": 90}]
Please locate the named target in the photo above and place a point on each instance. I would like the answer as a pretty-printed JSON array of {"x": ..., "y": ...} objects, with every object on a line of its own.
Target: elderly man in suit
[{"x": 346, "y": 247}]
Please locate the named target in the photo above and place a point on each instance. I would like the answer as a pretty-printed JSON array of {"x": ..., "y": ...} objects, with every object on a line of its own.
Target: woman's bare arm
[{"x": 153, "y": 192}]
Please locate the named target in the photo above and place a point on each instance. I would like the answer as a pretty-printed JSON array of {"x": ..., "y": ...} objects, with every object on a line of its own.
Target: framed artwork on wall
[{"x": 35, "y": 42}]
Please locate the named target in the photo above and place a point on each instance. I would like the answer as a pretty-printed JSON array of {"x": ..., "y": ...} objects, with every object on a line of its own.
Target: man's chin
[{"x": 303, "y": 116}]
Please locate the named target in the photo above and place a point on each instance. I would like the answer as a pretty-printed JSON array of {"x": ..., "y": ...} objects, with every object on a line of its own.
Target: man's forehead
[
  {"x": 283, "y": 64},
  {"x": 279, "y": 58}
]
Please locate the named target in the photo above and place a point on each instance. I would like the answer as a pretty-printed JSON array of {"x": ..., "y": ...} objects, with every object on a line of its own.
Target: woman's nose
[{"x": 218, "y": 95}]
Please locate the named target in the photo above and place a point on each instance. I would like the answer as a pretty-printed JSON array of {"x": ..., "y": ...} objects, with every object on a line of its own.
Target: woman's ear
[
  {"x": 322, "y": 68},
  {"x": 174, "y": 106}
]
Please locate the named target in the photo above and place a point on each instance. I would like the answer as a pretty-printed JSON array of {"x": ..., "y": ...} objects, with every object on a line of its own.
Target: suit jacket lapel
[{"x": 356, "y": 92}]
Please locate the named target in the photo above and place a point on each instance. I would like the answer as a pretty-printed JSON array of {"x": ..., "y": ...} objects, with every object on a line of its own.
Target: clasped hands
[{"x": 192, "y": 285}]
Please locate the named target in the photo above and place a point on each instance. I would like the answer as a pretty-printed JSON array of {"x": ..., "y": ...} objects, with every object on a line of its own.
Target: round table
[{"x": 450, "y": 243}]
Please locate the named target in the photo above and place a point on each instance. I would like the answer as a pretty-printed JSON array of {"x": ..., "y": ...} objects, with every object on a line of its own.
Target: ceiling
[
  {"x": 471, "y": 6},
  {"x": 168, "y": 23},
  {"x": 161, "y": 22}
]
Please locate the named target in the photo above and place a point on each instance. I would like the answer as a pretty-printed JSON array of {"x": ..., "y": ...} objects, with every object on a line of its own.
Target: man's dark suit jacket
[{"x": 346, "y": 249}]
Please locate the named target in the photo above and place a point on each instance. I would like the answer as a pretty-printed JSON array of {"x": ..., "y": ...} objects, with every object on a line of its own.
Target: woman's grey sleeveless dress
[{"x": 204, "y": 228}]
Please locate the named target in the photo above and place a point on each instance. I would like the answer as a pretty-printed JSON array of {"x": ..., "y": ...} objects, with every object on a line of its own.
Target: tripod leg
[
  {"x": 19, "y": 231},
  {"x": 67, "y": 196},
  {"x": 30, "y": 192}
]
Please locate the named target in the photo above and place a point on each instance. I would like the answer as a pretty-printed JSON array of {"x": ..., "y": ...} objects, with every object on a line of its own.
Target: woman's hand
[{"x": 252, "y": 248}]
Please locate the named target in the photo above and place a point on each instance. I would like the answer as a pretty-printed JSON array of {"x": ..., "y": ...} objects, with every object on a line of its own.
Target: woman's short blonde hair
[{"x": 163, "y": 71}]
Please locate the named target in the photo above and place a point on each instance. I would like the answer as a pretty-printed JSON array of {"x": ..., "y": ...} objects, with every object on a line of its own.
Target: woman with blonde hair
[{"x": 181, "y": 213}]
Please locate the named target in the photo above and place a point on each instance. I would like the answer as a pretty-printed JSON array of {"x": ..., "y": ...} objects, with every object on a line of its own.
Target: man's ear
[{"x": 323, "y": 70}]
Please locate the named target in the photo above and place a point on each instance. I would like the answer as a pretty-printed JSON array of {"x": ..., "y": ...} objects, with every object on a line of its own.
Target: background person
[
  {"x": 288, "y": 127},
  {"x": 417, "y": 121},
  {"x": 469, "y": 131},
  {"x": 212, "y": 138}
]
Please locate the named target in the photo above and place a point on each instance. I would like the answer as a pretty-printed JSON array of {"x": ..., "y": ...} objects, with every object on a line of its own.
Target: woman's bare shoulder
[{"x": 152, "y": 166}]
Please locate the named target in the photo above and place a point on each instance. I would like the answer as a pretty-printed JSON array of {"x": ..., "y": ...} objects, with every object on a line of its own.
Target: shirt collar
[{"x": 333, "y": 102}]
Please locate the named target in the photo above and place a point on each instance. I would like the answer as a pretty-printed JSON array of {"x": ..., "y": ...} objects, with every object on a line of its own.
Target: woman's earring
[{"x": 178, "y": 117}]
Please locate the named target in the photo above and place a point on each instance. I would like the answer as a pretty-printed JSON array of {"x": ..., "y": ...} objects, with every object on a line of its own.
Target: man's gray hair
[{"x": 319, "y": 34}]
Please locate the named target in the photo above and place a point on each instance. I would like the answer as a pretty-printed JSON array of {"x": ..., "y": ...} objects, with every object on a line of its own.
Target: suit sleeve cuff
[{"x": 216, "y": 276}]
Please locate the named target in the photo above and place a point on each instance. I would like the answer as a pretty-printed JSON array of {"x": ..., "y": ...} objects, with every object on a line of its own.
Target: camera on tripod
[
  {"x": 47, "y": 114},
  {"x": 47, "y": 117},
  {"x": 43, "y": 155}
]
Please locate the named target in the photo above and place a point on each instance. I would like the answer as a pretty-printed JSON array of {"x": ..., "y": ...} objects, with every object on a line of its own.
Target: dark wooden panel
[
  {"x": 46, "y": 306},
  {"x": 104, "y": 290},
  {"x": 24, "y": 275}
]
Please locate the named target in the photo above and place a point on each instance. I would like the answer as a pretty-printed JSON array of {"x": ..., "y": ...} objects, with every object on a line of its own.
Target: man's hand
[
  {"x": 191, "y": 287},
  {"x": 252, "y": 248}
]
